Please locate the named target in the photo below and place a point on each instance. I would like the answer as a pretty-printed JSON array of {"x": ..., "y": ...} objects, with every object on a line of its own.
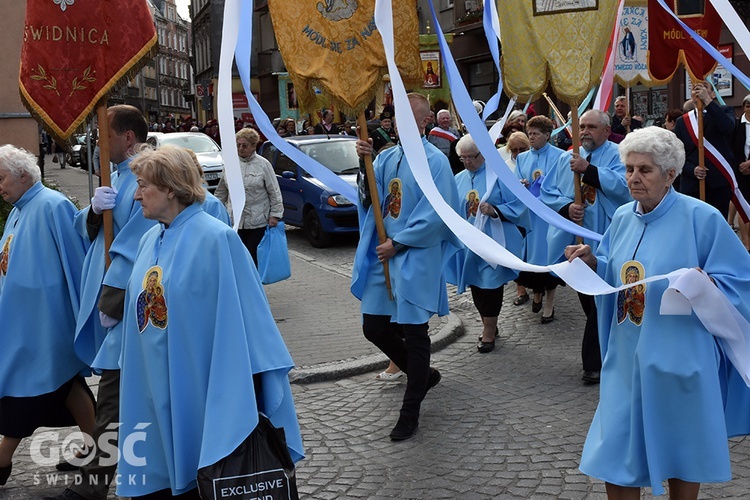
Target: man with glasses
[{"x": 603, "y": 190}]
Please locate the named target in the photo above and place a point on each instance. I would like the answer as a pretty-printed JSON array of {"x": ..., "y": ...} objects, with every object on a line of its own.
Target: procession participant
[
  {"x": 517, "y": 143},
  {"x": 417, "y": 248},
  {"x": 741, "y": 153},
  {"x": 99, "y": 328},
  {"x": 211, "y": 205},
  {"x": 603, "y": 190},
  {"x": 718, "y": 127},
  {"x": 326, "y": 125},
  {"x": 444, "y": 137},
  {"x": 503, "y": 215},
  {"x": 622, "y": 122},
  {"x": 180, "y": 356},
  {"x": 532, "y": 167},
  {"x": 40, "y": 269},
  {"x": 661, "y": 414},
  {"x": 385, "y": 135}
]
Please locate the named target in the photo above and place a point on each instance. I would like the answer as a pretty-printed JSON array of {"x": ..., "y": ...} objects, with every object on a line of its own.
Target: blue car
[{"x": 308, "y": 203}]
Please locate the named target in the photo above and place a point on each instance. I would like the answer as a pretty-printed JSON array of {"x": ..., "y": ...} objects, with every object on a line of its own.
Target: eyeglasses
[{"x": 469, "y": 158}]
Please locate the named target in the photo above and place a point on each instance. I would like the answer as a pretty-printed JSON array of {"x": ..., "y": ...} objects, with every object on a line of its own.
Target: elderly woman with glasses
[
  {"x": 667, "y": 392},
  {"x": 201, "y": 352},
  {"x": 263, "y": 202},
  {"x": 490, "y": 206}
]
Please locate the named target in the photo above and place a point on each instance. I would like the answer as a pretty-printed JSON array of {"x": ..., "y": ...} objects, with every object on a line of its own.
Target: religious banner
[
  {"x": 431, "y": 69},
  {"x": 75, "y": 51},
  {"x": 334, "y": 45},
  {"x": 562, "y": 43},
  {"x": 631, "y": 55},
  {"x": 670, "y": 45}
]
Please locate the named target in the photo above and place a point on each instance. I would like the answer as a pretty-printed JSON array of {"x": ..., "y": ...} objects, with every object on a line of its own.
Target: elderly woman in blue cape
[
  {"x": 201, "y": 353},
  {"x": 531, "y": 168},
  {"x": 40, "y": 271},
  {"x": 490, "y": 206},
  {"x": 665, "y": 380}
]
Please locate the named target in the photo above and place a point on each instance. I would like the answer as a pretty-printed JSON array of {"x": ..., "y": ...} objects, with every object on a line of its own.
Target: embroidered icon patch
[{"x": 152, "y": 305}]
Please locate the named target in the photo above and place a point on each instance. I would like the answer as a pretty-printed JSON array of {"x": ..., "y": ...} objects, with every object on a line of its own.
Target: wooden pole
[
  {"x": 559, "y": 115},
  {"x": 109, "y": 232},
  {"x": 627, "y": 107},
  {"x": 372, "y": 184},
  {"x": 701, "y": 150},
  {"x": 576, "y": 151}
]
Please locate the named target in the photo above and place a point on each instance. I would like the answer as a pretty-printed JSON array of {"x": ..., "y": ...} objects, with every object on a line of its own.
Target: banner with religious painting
[
  {"x": 75, "y": 51},
  {"x": 561, "y": 43},
  {"x": 631, "y": 54},
  {"x": 431, "y": 69}
]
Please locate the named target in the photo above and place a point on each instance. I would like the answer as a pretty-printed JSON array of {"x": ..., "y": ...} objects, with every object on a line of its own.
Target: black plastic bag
[{"x": 260, "y": 468}]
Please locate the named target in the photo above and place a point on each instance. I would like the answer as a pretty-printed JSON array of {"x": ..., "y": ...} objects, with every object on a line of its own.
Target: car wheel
[{"x": 314, "y": 230}]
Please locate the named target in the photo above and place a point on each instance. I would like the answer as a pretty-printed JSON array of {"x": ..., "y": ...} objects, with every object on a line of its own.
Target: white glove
[
  {"x": 107, "y": 321},
  {"x": 104, "y": 199}
]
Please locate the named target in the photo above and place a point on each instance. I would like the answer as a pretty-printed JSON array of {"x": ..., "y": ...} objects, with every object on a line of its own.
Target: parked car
[
  {"x": 205, "y": 148},
  {"x": 76, "y": 151},
  {"x": 308, "y": 203}
]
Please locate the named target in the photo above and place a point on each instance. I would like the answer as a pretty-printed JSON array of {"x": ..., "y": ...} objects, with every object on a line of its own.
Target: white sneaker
[{"x": 389, "y": 377}]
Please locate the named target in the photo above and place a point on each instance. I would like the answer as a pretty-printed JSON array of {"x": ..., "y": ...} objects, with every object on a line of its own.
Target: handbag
[
  {"x": 260, "y": 467},
  {"x": 273, "y": 255}
]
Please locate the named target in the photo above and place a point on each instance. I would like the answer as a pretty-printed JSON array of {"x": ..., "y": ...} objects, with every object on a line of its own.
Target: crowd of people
[{"x": 167, "y": 334}]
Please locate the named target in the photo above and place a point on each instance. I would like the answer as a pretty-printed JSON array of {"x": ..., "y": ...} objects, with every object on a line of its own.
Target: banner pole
[
  {"x": 701, "y": 150},
  {"x": 627, "y": 107},
  {"x": 576, "y": 151},
  {"x": 109, "y": 233},
  {"x": 362, "y": 122}
]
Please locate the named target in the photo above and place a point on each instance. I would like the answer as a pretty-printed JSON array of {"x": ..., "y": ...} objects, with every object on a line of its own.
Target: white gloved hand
[
  {"x": 107, "y": 321},
  {"x": 104, "y": 199}
]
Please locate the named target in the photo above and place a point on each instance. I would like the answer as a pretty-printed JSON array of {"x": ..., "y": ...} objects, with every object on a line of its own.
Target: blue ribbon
[{"x": 493, "y": 41}]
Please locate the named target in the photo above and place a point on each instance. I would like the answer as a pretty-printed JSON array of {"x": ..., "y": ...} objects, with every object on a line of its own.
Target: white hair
[
  {"x": 662, "y": 145},
  {"x": 443, "y": 112},
  {"x": 19, "y": 161},
  {"x": 465, "y": 144}
]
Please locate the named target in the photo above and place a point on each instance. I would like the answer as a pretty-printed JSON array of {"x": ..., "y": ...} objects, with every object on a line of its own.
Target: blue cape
[
  {"x": 40, "y": 268},
  {"x": 96, "y": 346},
  {"x": 663, "y": 390},
  {"x": 417, "y": 278},
  {"x": 191, "y": 347}
]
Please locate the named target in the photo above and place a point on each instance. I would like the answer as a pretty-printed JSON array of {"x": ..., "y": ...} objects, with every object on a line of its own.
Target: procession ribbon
[
  {"x": 497, "y": 129},
  {"x": 719, "y": 161},
  {"x": 577, "y": 274},
  {"x": 487, "y": 147},
  {"x": 604, "y": 96},
  {"x": 491, "y": 25}
]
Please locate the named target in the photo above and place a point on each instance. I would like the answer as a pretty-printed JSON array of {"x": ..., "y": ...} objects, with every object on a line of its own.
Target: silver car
[{"x": 205, "y": 148}]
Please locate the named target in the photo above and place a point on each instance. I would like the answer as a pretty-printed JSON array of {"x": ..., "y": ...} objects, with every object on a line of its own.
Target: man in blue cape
[
  {"x": 603, "y": 190},
  {"x": 417, "y": 249}
]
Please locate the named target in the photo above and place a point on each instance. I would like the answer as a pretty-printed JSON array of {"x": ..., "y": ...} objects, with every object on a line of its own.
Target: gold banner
[
  {"x": 560, "y": 42},
  {"x": 334, "y": 47}
]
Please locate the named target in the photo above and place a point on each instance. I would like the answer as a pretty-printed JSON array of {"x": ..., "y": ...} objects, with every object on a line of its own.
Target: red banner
[
  {"x": 75, "y": 51},
  {"x": 669, "y": 45}
]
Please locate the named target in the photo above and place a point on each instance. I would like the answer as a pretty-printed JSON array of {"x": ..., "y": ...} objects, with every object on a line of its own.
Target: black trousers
[
  {"x": 410, "y": 353},
  {"x": 251, "y": 239},
  {"x": 488, "y": 301},
  {"x": 591, "y": 354},
  {"x": 167, "y": 494}
]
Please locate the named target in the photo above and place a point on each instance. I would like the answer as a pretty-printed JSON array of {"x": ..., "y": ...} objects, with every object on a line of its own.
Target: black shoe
[
  {"x": 521, "y": 299},
  {"x": 405, "y": 428},
  {"x": 484, "y": 347},
  {"x": 434, "y": 378},
  {"x": 66, "y": 495},
  {"x": 5, "y": 474},
  {"x": 590, "y": 377},
  {"x": 536, "y": 306},
  {"x": 548, "y": 319}
]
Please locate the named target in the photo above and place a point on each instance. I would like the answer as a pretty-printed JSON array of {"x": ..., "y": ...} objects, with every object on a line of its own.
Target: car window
[
  {"x": 198, "y": 143},
  {"x": 338, "y": 156},
  {"x": 283, "y": 163}
]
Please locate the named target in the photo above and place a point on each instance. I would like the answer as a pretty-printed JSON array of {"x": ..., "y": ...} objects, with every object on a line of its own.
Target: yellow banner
[
  {"x": 560, "y": 42},
  {"x": 334, "y": 47}
]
